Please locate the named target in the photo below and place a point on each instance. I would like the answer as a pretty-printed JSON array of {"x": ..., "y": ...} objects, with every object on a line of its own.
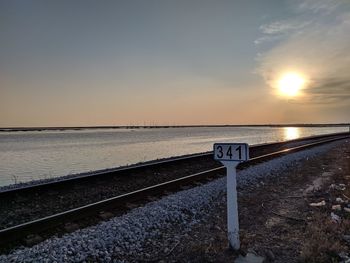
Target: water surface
[{"x": 30, "y": 155}]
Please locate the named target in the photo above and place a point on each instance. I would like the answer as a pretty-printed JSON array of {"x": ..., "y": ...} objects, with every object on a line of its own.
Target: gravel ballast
[
  {"x": 25, "y": 206},
  {"x": 140, "y": 234}
]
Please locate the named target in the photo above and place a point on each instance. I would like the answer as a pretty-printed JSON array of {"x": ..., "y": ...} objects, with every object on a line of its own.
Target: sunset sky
[{"x": 82, "y": 63}]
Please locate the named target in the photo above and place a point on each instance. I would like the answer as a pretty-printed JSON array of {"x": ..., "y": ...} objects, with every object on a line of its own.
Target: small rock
[
  {"x": 218, "y": 228},
  {"x": 343, "y": 255},
  {"x": 336, "y": 207},
  {"x": 322, "y": 203},
  {"x": 335, "y": 218},
  {"x": 249, "y": 258},
  {"x": 339, "y": 200},
  {"x": 346, "y": 209},
  {"x": 340, "y": 187}
]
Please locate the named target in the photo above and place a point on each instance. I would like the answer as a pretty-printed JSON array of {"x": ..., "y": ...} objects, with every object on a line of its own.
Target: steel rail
[
  {"x": 39, "y": 225},
  {"x": 128, "y": 169}
]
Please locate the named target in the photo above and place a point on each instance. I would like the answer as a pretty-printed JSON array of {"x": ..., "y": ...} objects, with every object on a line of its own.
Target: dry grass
[{"x": 323, "y": 240}]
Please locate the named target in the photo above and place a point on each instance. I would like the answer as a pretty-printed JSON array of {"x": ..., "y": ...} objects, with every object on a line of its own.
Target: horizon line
[{"x": 40, "y": 128}]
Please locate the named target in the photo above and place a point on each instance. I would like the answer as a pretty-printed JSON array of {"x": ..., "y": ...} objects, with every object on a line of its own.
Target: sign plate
[{"x": 238, "y": 152}]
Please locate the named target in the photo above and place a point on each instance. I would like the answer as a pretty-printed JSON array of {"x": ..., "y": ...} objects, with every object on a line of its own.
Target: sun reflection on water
[{"x": 290, "y": 133}]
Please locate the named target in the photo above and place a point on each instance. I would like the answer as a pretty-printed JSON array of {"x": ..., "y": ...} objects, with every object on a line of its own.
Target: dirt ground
[{"x": 277, "y": 221}]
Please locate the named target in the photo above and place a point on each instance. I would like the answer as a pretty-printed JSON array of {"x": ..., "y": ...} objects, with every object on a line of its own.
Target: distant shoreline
[{"x": 16, "y": 129}]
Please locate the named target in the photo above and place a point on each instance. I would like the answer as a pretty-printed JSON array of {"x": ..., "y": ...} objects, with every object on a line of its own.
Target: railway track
[
  {"x": 98, "y": 175},
  {"x": 19, "y": 231}
]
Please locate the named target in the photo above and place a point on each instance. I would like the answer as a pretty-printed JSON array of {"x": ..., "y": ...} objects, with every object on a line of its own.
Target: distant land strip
[{"x": 15, "y": 129}]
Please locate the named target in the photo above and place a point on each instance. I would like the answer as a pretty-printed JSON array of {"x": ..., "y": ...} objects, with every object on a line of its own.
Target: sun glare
[
  {"x": 290, "y": 84},
  {"x": 291, "y": 133}
]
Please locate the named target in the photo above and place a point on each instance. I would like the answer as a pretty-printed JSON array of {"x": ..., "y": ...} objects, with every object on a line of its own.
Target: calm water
[{"x": 25, "y": 156}]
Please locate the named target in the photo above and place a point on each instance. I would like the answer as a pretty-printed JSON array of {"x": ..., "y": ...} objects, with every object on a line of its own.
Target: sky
[{"x": 162, "y": 62}]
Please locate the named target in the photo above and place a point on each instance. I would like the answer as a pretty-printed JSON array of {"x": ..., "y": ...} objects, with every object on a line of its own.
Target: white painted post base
[{"x": 232, "y": 206}]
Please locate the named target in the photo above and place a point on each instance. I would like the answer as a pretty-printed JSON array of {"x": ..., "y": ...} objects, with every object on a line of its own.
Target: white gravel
[{"x": 129, "y": 237}]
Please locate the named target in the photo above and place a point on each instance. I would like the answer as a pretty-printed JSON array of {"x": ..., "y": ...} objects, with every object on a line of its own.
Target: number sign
[
  {"x": 230, "y": 155},
  {"x": 231, "y": 152}
]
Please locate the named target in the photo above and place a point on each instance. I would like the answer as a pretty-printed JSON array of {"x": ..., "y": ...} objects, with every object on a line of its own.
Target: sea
[{"x": 32, "y": 155}]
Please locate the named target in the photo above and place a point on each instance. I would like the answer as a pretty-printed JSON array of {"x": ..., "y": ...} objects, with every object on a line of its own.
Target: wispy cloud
[
  {"x": 279, "y": 29},
  {"x": 283, "y": 27},
  {"x": 313, "y": 44},
  {"x": 330, "y": 91},
  {"x": 320, "y": 6}
]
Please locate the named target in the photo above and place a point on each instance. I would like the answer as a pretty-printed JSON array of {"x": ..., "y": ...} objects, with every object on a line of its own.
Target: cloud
[
  {"x": 330, "y": 91},
  {"x": 277, "y": 30},
  {"x": 319, "y": 6},
  {"x": 267, "y": 38},
  {"x": 315, "y": 45},
  {"x": 282, "y": 27}
]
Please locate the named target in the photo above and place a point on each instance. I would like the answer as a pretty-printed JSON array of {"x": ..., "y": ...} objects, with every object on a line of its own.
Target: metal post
[
  {"x": 230, "y": 155},
  {"x": 232, "y": 206}
]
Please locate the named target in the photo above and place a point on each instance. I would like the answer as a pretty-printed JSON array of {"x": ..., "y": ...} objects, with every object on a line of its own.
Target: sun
[{"x": 290, "y": 84}]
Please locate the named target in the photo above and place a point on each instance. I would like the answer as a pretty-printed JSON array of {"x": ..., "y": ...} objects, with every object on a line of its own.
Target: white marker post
[{"x": 230, "y": 155}]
